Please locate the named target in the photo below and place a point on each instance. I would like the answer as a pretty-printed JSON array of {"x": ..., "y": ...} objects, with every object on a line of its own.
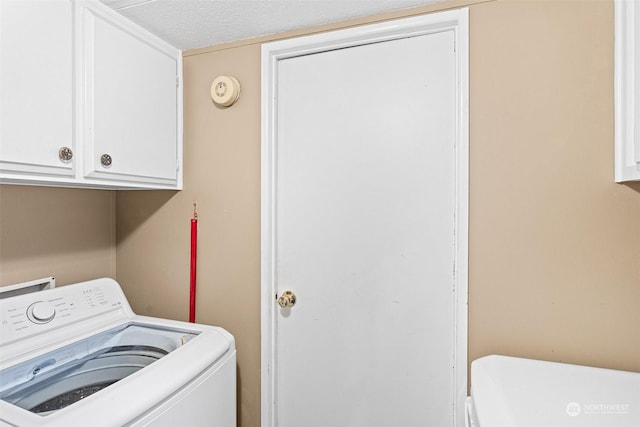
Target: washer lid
[
  {"x": 62, "y": 377},
  {"x": 510, "y": 391},
  {"x": 191, "y": 350},
  {"x": 57, "y": 364}
]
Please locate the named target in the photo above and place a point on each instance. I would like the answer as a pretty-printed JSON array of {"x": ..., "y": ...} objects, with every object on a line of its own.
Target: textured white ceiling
[{"x": 189, "y": 24}]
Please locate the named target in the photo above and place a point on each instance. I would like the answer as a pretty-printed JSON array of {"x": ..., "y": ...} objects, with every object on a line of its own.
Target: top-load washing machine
[
  {"x": 517, "y": 392},
  {"x": 77, "y": 355}
]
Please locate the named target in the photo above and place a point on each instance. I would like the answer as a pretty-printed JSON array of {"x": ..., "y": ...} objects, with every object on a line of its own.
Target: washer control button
[{"x": 41, "y": 312}]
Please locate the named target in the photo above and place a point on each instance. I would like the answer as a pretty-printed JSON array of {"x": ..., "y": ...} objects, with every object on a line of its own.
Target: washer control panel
[{"x": 29, "y": 314}]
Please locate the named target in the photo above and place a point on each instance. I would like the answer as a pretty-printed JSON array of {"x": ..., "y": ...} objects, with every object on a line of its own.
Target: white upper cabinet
[
  {"x": 111, "y": 94},
  {"x": 627, "y": 90},
  {"x": 36, "y": 87},
  {"x": 131, "y": 103}
]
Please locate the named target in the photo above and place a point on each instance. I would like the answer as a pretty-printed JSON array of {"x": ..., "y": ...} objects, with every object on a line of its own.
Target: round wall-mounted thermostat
[{"x": 225, "y": 91}]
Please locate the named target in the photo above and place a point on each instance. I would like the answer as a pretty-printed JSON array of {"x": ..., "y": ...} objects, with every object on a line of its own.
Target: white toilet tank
[{"x": 515, "y": 392}]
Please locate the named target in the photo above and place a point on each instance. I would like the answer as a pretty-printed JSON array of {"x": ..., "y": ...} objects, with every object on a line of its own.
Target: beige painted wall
[
  {"x": 554, "y": 242},
  {"x": 60, "y": 232}
]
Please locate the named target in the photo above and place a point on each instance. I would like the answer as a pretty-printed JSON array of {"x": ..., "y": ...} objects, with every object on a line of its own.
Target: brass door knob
[{"x": 287, "y": 299}]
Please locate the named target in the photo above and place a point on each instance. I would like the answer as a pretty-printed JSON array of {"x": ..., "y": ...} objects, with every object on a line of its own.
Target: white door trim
[{"x": 454, "y": 20}]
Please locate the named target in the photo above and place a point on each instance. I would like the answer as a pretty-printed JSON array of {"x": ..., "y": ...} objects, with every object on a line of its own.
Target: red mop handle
[{"x": 194, "y": 253}]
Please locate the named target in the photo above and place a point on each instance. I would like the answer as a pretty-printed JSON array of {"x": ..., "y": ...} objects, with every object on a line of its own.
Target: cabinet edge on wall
[{"x": 627, "y": 91}]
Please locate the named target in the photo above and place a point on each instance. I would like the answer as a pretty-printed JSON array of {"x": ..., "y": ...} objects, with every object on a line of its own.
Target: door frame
[{"x": 453, "y": 20}]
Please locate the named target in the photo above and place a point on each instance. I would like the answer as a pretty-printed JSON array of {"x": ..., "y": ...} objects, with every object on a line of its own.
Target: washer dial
[{"x": 41, "y": 312}]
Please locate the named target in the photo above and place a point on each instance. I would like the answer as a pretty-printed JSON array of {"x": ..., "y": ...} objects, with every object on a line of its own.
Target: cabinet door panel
[
  {"x": 36, "y": 86},
  {"x": 132, "y": 103}
]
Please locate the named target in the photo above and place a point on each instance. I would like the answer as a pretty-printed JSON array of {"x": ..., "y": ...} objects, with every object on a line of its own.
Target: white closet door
[{"x": 365, "y": 204}]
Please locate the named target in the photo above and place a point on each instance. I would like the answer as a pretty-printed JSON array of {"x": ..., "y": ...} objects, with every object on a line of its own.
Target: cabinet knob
[
  {"x": 106, "y": 160},
  {"x": 65, "y": 154}
]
